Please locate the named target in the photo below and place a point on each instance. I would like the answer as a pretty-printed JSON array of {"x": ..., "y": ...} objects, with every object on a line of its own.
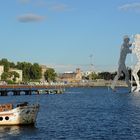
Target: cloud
[
  {"x": 64, "y": 66},
  {"x": 60, "y": 7},
  {"x": 51, "y": 5},
  {"x": 24, "y": 1},
  {"x": 30, "y": 18},
  {"x": 130, "y": 7}
]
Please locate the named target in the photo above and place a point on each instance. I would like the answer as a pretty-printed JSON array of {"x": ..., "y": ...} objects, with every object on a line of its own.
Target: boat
[{"x": 22, "y": 114}]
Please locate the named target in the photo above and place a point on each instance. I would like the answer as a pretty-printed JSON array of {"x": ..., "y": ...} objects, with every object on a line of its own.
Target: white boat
[{"x": 22, "y": 114}]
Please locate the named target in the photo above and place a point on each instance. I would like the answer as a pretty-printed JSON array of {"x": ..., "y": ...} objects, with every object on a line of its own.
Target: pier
[{"x": 29, "y": 89}]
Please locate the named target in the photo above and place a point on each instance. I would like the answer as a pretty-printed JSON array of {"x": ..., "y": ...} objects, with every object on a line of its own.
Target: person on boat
[
  {"x": 125, "y": 49},
  {"x": 136, "y": 51}
]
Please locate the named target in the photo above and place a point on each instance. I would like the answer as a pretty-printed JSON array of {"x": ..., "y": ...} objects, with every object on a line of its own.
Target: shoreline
[{"x": 101, "y": 83}]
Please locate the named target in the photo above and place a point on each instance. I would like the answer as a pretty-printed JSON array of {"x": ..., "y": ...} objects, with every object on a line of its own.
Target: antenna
[{"x": 91, "y": 65}]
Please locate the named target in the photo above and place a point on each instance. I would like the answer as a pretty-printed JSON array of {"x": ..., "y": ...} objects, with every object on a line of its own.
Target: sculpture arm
[
  {"x": 130, "y": 44},
  {"x": 134, "y": 50},
  {"x": 129, "y": 51}
]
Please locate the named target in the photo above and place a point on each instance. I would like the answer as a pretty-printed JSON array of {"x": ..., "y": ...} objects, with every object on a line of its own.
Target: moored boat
[{"x": 22, "y": 114}]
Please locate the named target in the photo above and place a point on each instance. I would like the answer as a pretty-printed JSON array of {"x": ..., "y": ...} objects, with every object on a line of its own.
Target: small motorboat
[{"x": 21, "y": 114}]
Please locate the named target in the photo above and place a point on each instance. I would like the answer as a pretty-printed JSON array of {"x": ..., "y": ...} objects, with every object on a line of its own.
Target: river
[{"x": 80, "y": 114}]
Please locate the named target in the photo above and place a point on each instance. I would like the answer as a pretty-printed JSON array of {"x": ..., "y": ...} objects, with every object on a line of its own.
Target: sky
[{"x": 67, "y": 34}]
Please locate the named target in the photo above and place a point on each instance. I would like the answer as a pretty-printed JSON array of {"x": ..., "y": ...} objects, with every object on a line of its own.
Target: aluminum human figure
[
  {"x": 125, "y": 49},
  {"x": 136, "y": 51}
]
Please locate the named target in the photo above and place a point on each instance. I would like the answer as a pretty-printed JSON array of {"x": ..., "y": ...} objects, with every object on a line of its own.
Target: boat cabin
[{"x": 5, "y": 107}]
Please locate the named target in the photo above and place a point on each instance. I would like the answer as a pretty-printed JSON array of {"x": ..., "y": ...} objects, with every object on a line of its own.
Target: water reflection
[{"x": 14, "y": 132}]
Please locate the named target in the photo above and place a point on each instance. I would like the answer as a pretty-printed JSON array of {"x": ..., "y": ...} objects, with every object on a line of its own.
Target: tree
[
  {"x": 5, "y": 63},
  {"x": 105, "y": 75},
  {"x": 25, "y": 67},
  {"x": 14, "y": 75},
  {"x": 50, "y": 75},
  {"x": 93, "y": 76},
  {"x": 12, "y": 65},
  {"x": 8, "y": 75},
  {"x": 35, "y": 71},
  {"x": 4, "y": 76},
  {"x": 30, "y": 71}
]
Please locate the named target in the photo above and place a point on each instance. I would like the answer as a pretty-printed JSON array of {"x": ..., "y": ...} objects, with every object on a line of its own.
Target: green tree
[
  {"x": 50, "y": 75},
  {"x": 105, "y": 75},
  {"x": 14, "y": 75},
  {"x": 8, "y": 75},
  {"x": 5, "y": 63},
  {"x": 93, "y": 76},
  {"x": 35, "y": 71},
  {"x": 12, "y": 65},
  {"x": 4, "y": 76},
  {"x": 25, "y": 67},
  {"x": 30, "y": 71}
]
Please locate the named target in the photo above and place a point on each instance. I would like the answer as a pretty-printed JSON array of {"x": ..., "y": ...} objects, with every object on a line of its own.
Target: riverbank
[{"x": 98, "y": 83}]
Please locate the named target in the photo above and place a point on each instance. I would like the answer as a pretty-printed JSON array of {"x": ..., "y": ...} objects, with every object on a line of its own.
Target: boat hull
[{"x": 22, "y": 115}]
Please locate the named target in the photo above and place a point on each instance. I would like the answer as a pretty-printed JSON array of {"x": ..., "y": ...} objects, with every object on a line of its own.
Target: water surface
[{"x": 80, "y": 114}]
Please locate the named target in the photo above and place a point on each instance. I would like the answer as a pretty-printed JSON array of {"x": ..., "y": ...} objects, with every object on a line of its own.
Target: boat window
[
  {"x": 1, "y": 118},
  {"x": 6, "y": 118}
]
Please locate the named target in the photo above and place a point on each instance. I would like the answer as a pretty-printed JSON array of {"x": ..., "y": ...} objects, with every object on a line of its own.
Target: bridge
[{"x": 29, "y": 89}]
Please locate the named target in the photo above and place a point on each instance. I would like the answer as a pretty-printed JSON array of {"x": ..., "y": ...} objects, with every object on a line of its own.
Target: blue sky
[{"x": 64, "y": 33}]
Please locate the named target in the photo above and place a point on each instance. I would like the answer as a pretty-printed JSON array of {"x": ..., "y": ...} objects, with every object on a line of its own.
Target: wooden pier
[{"x": 29, "y": 89}]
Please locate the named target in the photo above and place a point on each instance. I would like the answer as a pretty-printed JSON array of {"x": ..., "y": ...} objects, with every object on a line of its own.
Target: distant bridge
[{"x": 29, "y": 89}]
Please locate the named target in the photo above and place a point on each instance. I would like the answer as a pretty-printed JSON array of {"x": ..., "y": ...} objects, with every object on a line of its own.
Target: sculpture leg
[
  {"x": 127, "y": 77},
  {"x": 135, "y": 74},
  {"x": 116, "y": 78}
]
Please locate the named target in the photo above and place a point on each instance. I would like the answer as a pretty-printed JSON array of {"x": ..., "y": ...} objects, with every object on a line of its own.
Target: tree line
[
  {"x": 31, "y": 72},
  {"x": 108, "y": 75}
]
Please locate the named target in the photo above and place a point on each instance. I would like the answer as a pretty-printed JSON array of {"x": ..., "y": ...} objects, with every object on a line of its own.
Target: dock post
[
  {"x": 4, "y": 93},
  {"x": 37, "y": 92},
  {"x": 28, "y": 92},
  {"x": 16, "y": 92}
]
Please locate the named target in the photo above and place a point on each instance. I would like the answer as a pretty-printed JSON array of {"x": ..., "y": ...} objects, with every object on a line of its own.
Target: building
[
  {"x": 16, "y": 70},
  {"x": 78, "y": 76},
  {"x": 1, "y": 70},
  {"x": 87, "y": 73},
  {"x": 71, "y": 76},
  {"x": 43, "y": 68}
]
